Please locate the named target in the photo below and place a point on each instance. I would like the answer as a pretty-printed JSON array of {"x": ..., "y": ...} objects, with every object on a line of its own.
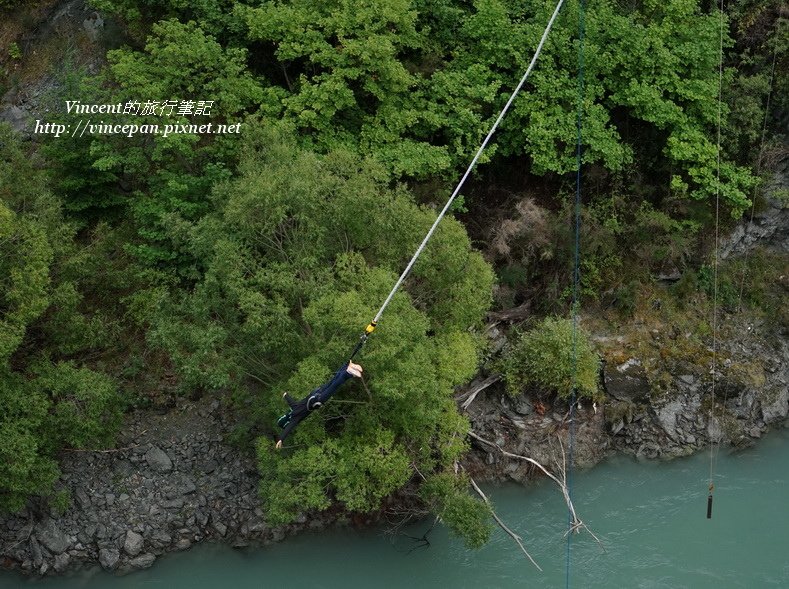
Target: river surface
[{"x": 649, "y": 516}]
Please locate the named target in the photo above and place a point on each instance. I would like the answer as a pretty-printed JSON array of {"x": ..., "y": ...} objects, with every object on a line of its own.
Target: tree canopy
[
  {"x": 301, "y": 250},
  {"x": 47, "y": 405}
]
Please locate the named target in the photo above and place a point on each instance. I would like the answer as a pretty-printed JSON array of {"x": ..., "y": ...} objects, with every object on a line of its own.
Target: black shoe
[{"x": 284, "y": 420}]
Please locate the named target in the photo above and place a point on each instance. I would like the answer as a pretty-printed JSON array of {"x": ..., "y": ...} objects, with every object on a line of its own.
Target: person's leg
[{"x": 289, "y": 400}]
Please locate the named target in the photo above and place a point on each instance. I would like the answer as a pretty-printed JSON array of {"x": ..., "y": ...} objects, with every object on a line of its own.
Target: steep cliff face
[
  {"x": 672, "y": 388},
  {"x": 39, "y": 43},
  {"x": 769, "y": 226}
]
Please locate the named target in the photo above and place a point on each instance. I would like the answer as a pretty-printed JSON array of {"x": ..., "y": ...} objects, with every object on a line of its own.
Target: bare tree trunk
[{"x": 510, "y": 315}]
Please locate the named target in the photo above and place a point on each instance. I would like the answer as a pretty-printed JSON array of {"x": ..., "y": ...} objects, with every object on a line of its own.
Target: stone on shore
[
  {"x": 108, "y": 558},
  {"x": 158, "y": 460},
  {"x": 51, "y": 536},
  {"x": 143, "y": 561},
  {"x": 133, "y": 543}
]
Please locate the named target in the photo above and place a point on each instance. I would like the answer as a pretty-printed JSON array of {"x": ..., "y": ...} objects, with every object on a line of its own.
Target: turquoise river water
[{"x": 650, "y": 517}]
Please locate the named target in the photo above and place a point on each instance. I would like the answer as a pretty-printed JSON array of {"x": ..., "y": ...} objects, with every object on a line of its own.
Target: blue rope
[{"x": 576, "y": 277}]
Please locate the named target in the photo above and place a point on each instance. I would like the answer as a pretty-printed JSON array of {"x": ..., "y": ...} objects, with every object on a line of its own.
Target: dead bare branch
[
  {"x": 513, "y": 315},
  {"x": 364, "y": 384},
  {"x": 512, "y": 534},
  {"x": 422, "y": 541},
  {"x": 468, "y": 396},
  {"x": 26, "y": 536},
  {"x": 414, "y": 466},
  {"x": 575, "y": 523},
  {"x": 105, "y": 451}
]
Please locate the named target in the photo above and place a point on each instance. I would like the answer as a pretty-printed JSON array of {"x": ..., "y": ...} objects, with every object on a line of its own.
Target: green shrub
[
  {"x": 465, "y": 515},
  {"x": 25, "y": 467},
  {"x": 60, "y": 501},
  {"x": 543, "y": 358},
  {"x": 47, "y": 403}
]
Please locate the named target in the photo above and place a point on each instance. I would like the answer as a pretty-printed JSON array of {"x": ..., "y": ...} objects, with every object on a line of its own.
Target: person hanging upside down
[{"x": 302, "y": 408}]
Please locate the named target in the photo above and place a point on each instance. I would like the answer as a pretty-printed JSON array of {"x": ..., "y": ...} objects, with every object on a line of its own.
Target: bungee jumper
[{"x": 302, "y": 408}]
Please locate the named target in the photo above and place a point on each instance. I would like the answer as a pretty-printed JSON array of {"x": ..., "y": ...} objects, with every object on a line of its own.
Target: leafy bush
[
  {"x": 417, "y": 88},
  {"x": 467, "y": 516},
  {"x": 543, "y": 357},
  {"x": 25, "y": 465},
  {"x": 62, "y": 406}
]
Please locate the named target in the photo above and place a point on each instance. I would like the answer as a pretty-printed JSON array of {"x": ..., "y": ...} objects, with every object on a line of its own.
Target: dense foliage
[
  {"x": 300, "y": 250},
  {"x": 552, "y": 359},
  {"x": 47, "y": 405},
  {"x": 448, "y": 496}
]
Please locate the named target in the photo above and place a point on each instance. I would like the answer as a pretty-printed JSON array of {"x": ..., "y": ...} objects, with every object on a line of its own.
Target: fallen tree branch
[
  {"x": 423, "y": 541},
  {"x": 518, "y": 313},
  {"x": 468, "y": 396},
  {"x": 414, "y": 466},
  {"x": 364, "y": 384},
  {"x": 575, "y": 523},
  {"x": 512, "y": 534},
  {"x": 26, "y": 536}
]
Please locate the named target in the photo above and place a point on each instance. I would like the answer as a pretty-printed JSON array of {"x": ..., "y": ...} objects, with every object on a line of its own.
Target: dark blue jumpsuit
[{"x": 300, "y": 409}]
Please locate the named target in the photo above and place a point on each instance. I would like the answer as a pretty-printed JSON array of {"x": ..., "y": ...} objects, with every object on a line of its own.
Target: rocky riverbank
[
  {"x": 171, "y": 483},
  {"x": 174, "y": 481},
  {"x": 661, "y": 400}
]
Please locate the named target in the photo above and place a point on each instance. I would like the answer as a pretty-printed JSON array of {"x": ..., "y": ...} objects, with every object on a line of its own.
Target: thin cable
[
  {"x": 759, "y": 165},
  {"x": 715, "y": 444},
  {"x": 576, "y": 280},
  {"x": 471, "y": 165}
]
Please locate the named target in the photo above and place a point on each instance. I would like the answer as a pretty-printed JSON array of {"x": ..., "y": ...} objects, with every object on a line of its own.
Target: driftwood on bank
[
  {"x": 467, "y": 397},
  {"x": 511, "y": 315}
]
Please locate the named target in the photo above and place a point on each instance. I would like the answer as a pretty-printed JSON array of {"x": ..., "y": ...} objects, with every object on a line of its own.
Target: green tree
[
  {"x": 157, "y": 185},
  {"x": 173, "y": 175},
  {"x": 417, "y": 89},
  {"x": 31, "y": 234},
  {"x": 448, "y": 496},
  {"x": 25, "y": 467},
  {"x": 344, "y": 69},
  {"x": 46, "y": 404},
  {"x": 215, "y": 16},
  {"x": 301, "y": 251}
]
